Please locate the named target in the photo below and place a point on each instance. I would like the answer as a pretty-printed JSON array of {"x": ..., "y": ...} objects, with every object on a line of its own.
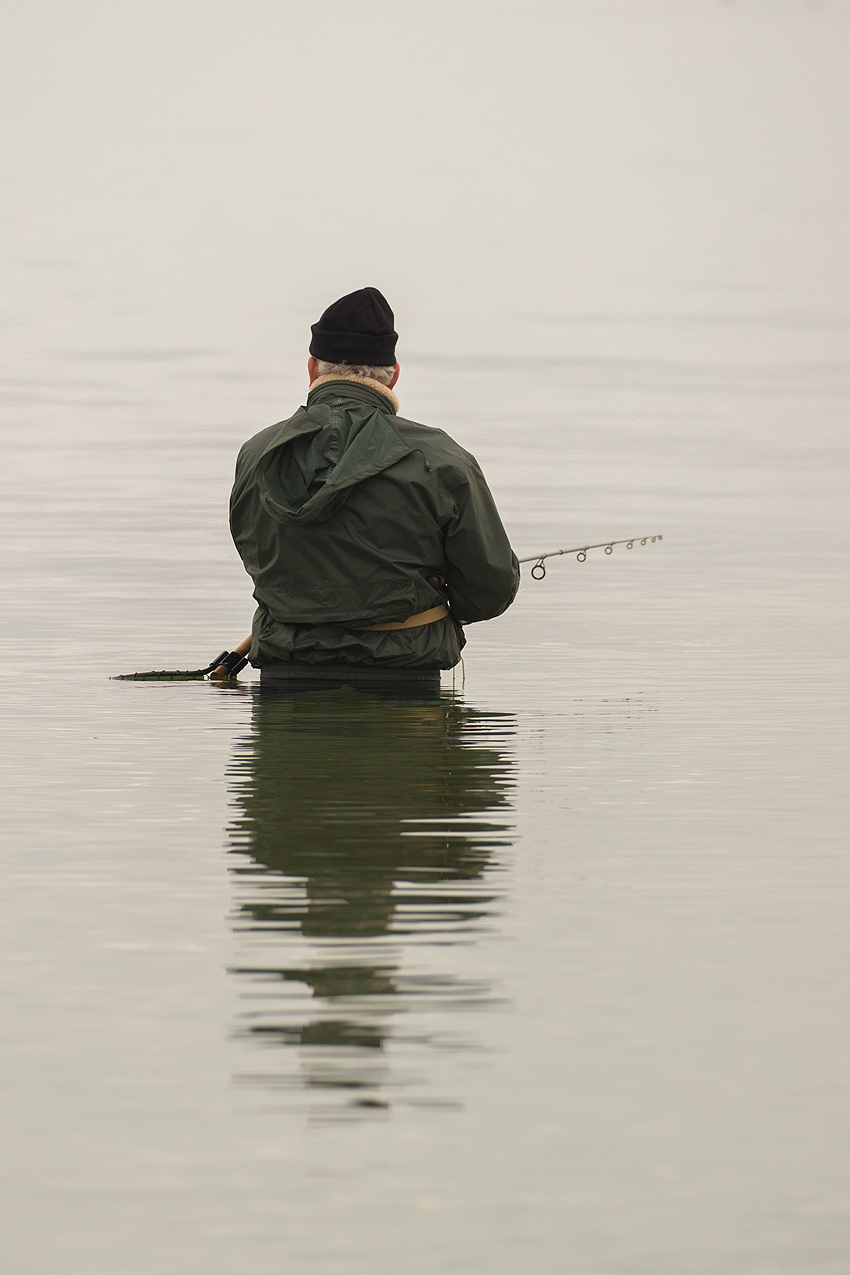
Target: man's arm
[{"x": 483, "y": 573}]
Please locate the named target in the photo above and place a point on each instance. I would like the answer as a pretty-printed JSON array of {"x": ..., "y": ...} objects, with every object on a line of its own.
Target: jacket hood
[{"x": 312, "y": 461}]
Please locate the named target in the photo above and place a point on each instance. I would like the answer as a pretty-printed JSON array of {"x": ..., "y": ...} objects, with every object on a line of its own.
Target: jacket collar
[{"x": 354, "y": 387}]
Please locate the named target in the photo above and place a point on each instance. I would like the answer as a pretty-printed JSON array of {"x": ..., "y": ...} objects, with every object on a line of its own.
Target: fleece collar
[{"x": 356, "y": 380}]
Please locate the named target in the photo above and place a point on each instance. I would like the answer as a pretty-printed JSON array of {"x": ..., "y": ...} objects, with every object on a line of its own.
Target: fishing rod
[
  {"x": 229, "y": 663},
  {"x": 538, "y": 571}
]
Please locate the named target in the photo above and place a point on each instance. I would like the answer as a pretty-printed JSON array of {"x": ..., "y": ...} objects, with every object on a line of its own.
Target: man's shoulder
[
  {"x": 437, "y": 446},
  {"x": 253, "y": 448},
  {"x": 258, "y": 441}
]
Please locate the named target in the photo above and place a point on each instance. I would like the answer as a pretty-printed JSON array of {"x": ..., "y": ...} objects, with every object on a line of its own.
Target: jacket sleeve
[{"x": 483, "y": 573}]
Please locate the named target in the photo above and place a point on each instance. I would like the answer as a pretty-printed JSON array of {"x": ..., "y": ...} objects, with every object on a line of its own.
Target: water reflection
[{"x": 367, "y": 852}]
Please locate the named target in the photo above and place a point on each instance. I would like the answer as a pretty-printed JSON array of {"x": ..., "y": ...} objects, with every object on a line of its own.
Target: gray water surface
[{"x": 545, "y": 971}]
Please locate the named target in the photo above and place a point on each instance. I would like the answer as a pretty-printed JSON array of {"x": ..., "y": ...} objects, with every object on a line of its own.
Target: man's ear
[
  {"x": 395, "y": 376},
  {"x": 312, "y": 368}
]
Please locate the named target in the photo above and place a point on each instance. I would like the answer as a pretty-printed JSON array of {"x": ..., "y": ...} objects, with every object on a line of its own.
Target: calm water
[{"x": 546, "y": 971}]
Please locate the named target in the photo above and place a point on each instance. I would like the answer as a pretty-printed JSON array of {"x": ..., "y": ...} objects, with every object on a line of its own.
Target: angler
[{"x": 370, "y": 538}]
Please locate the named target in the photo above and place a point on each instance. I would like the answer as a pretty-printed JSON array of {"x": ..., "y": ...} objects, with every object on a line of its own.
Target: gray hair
[{"x": 382, "y": 374}]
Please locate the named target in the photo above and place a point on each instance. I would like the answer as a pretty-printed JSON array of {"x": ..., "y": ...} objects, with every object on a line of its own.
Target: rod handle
[{"x": 222, "y": 671}]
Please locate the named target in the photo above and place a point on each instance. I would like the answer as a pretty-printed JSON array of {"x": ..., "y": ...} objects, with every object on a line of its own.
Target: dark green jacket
[{"x": 345, "y": 515}]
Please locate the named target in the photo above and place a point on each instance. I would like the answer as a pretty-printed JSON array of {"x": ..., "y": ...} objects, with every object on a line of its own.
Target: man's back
[{"x": 370, "y": 538}]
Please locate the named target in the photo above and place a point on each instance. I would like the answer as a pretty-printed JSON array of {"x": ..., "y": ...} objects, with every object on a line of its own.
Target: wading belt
[{"x": 412, "y": 621}]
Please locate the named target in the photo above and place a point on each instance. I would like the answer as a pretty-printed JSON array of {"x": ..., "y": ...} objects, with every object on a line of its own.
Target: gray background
[{"x": 614, "y": 236}]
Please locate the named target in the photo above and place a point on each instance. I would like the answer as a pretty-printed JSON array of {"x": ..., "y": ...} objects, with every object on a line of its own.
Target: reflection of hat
[{"x": 356, "y": 329}]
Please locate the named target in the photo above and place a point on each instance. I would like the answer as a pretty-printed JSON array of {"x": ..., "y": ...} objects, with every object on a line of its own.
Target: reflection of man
[
  {"x": 369, "y": 538},
  {"x": 355, "y": 812}
]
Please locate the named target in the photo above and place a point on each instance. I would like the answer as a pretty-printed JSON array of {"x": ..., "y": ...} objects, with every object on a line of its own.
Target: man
[{"x": 370, "y": 539}]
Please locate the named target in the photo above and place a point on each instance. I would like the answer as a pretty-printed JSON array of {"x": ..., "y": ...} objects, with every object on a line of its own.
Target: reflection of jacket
[
  {"x": 345, "y": 514},
  {"x": 341, "y": 797}
]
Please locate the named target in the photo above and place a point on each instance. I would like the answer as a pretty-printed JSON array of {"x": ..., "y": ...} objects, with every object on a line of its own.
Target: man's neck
[{"x": 358, "y": 380}]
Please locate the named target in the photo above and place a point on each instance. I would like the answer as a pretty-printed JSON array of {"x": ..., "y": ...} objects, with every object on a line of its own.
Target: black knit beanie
[{"x": 356, "y": 329}]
